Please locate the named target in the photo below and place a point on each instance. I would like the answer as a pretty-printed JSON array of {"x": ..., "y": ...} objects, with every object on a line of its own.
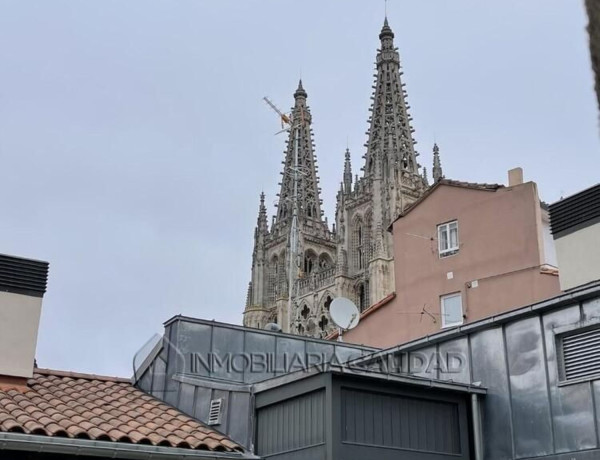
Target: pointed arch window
[
  {"x": 273, "y": 278},
  {"x": 362, "y": 296},
  {"x": 359, "y": 250},
  {"x": 325, "y": 261},
  {"x": 310, "y": 262}
]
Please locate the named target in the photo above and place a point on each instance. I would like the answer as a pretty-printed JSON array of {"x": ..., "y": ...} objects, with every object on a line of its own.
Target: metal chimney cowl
[{"x": 22, "y": 286}]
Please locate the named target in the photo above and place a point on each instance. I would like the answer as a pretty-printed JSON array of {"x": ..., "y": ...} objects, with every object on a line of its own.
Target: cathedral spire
[
  {"x": 390, "y": 133},
  {"x": 391, "y": 166},
  {"x": 300, "y": 92},
  {"x": 261, "y": 222},
  {"x": 425, "y": 179},
  {"x": 386, "y": 30},
  {"x": 437, "y": 165},
  {"x": 347, "y": 172},
  {"x": 309, "y": 202}
]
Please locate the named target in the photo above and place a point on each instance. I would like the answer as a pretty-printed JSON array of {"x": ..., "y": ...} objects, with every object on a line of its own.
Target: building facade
[
  {"x": 464, "y": 252},
  {"x": 354, "y": 257},
  {"x": 576, "y": 232}
]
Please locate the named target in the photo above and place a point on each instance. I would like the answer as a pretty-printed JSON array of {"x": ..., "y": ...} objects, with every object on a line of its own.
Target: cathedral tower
[
  {"x": 390, "y": 182},
  {"x": 268, "y": 291},
  {"x": 355, "y": 258}
]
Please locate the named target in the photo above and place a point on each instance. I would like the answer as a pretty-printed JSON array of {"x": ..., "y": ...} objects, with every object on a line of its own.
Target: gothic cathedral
[{"x": 354, "y": 259}]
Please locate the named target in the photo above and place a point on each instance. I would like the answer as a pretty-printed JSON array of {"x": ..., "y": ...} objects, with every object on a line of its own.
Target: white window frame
[
  {"x": 445, "y": 322},
  {"x": 450, "y": 250}
]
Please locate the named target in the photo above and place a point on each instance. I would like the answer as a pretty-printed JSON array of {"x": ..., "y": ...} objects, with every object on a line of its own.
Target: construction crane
[{"x": 285, "y": 120}]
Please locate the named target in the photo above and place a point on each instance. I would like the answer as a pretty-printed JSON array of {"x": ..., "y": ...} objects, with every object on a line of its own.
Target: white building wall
[{"x": 579, "y": 257}]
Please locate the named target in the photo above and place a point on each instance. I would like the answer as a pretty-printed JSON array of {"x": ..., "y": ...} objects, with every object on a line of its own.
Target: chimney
[
  {"x": 22, "y": 286},
  {"x": 515, "y": 177}
]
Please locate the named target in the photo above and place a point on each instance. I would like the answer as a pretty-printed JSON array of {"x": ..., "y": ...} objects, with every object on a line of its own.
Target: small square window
[
  {"x": 448, "y": 238},
  {"x": 451, "y": 306}
]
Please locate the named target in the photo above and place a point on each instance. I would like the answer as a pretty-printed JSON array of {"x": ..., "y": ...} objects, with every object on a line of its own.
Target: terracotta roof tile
[{"x": 67, "y": 404}]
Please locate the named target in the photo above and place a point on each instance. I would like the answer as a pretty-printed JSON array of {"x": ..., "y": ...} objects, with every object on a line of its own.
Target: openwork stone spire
[
  {"x": 347, "y": 172},
  {"x": 309, "y": 202},
  {"x": 261, "y": 223},
  {"x": 390, "y": 133},
  {"x": 437, "y": 165}
]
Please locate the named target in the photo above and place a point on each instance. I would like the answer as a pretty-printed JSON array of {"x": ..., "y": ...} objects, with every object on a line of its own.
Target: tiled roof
[{"x": 83, "y": 406}]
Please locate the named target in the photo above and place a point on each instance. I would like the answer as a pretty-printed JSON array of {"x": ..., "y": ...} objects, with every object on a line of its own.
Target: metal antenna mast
[{"x": 289, "y": 123}]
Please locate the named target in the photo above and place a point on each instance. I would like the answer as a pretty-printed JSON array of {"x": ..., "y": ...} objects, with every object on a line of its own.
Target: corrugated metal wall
[
  {"x": 386, "y": 420},
  {"x": 294, "y": 428},
  {"x": 528, "y": 412}
]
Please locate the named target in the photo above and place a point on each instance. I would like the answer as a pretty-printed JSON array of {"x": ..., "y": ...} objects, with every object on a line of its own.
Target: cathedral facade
[{"x": 354, "y": 257}]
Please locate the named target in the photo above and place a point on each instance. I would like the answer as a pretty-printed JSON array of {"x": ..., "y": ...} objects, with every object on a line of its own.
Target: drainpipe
[{"x": 477, "y": 432}]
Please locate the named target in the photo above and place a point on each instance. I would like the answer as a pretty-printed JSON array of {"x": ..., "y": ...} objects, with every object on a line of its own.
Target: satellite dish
[
  {"x": 273, "y": 327},
  {"x": 344, "y": 313}
]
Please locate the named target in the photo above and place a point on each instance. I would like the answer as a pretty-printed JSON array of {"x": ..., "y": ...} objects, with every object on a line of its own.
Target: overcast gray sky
[{"x": 134, "y": 142}]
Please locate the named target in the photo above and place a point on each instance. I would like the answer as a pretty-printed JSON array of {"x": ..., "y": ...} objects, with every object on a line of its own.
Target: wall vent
[
  {"x": 214, "y": 413},
  {"x": 580, "y": 354}
]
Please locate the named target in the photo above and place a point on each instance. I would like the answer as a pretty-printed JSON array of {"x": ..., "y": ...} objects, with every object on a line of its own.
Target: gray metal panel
[
  {"x": 225, "y": 410},
  {"x": 194, "y": 339},
  {"x": 186, "y": 398},
  {"x": 159, "y": 370},
  {"x": 240, "y": 427},
  {"x": 227, "y": 343},
  {"x": 529, "y": 392},
  {"x": 583, "y": 455},
  {"x": 596, "y": 395},
  {"x": 393, "y": 421},
  {"x": 308, "y": 453},
  {"x": 315, "y": 349},
  {"x": 572, "y": 405},
  {"x": 455, "y": 360},
  {"x": 424, "y": 362},
  {"x": 291, "y": 425},
  {"x": 202, "y": 403},
  {"x": 238, "y": 354},
  {"x": 489, "y": 368},
  {"x": 145, "y": 382},
  {"x": 591, "y": 309},
  {"x": 175, "y": 364},
  {"x": 258, "y": 346},
  {"x": 345, "y": 354},
  {"x": 290, "y": 355}
]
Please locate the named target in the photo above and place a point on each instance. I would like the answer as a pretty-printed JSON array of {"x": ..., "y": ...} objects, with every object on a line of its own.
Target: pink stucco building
[{"x": 463, "y": 252}]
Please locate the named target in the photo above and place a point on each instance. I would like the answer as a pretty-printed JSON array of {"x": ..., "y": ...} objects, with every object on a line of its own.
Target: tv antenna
[
  {"x": 344, "y": 314},
  {"x": 291, "y": 123}
]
